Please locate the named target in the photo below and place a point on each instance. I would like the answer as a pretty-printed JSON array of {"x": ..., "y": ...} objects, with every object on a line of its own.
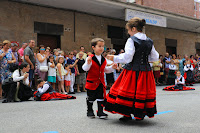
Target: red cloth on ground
[
  {"x": 171, "y": 88},
  {"x": 54, "y": 95}
]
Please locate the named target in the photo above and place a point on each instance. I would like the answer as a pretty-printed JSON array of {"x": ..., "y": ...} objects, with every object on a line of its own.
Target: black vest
[
  {"x": 140, "y": 58},
  {"x": 50, "y": 88}
]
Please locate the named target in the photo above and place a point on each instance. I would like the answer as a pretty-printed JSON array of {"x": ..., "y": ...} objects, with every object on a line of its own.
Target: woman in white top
[
  {"x": 21, "y": 75},
  {"x": 41, "y": 61}
]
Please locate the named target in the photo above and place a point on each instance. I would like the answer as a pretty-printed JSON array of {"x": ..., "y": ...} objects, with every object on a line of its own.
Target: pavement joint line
[
  {"x": 51, "y": 132},
  {"x": 160, "y": 113}
]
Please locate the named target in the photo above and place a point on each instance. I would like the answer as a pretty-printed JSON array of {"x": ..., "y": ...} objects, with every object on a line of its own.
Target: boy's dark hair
[
  {"x": 39, "y": 81},
  {"x": 95, "y": 40}
]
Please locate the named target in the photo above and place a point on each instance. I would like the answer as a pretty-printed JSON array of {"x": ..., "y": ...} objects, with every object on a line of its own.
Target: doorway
[
  {"x": 171, "y": 45},
  {"x": 171, "y": 50},
  {"x": 118, "y": 37},
  {"x": 52, "y": 41}
]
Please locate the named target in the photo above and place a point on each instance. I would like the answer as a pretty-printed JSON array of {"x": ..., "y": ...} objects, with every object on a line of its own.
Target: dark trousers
[{"x": 92, "y": 95}]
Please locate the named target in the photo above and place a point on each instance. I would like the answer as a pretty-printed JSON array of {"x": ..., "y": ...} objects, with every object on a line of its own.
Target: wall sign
[{"x": 151, "y": 19}]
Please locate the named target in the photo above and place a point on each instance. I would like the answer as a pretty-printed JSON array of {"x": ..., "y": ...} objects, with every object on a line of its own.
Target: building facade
[
  {"x": 184, "y": 7},
  {"x": 197, "y": 9},
  {"x": 70, "y": 29}
]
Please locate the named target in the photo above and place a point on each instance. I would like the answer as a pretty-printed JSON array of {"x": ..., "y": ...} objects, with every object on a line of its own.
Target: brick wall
[
  {"x": 17, "y": 24},
  {"x": 184, "y": 7},
  {"x": 197, "y": 10}
]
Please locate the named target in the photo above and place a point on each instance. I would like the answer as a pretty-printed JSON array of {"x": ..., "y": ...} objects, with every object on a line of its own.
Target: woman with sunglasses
[{"x": 41, "y": 60}]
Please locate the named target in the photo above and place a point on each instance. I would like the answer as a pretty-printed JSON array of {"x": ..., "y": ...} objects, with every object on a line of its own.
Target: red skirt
[
  {"x": 133, "y": 93},
  {"x": 171, "y": 88},
  {"x": 54, "y": 96}
]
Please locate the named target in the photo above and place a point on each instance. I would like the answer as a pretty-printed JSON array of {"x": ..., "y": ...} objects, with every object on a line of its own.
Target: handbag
[{"x": 43, "y": 68}]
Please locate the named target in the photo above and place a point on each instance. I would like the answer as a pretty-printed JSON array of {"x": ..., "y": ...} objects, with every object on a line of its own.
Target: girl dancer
[{"x": 134, "y": 92}]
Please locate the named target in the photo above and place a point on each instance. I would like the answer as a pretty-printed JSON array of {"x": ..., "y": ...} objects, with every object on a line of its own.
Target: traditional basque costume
[
  {"x": 179, "y": 85},
  {"x": 47, "y": 93},
  {"x": 95, "y": 84},
  {"x": 134, "y": 92},
  {"x": 196, "y": 72},
  {"x": 189, "y": 79},
  {"x": 172, "y": 75}
]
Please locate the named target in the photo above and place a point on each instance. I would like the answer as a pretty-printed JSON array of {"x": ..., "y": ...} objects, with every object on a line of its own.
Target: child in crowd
[
  {"x": 179, "y": 84},
  {"x": 188, "y": 68},
  {"x": 96, "y": 66},
  {"x": 73, "y": 64},
  {"x": 60, "y": 74},
  {"x": 156, "y": 71},
  {"x": 52, "y": 72},
  {"x": 62, "y": 53},
  {"x": 172, "y": 75},
  {"x": 67, "y": 77}
]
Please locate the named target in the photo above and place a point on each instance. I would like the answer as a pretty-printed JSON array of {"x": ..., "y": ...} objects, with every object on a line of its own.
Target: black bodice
[{"x": 140, "y": 59}]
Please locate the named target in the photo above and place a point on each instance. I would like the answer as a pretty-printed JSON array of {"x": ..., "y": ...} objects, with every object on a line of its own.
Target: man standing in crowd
[
  {"x": 82, "y": 49},
  {"x": 21, "y": 52},
  {"x": 30, "y": 59},
  {"x": 166, "y": 60},
  {"x": 13, "y": 48}
]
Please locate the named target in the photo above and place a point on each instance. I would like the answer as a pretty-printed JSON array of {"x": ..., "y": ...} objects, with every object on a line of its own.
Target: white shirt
[
  {"x": 180, "y": 82},
  {"x": 86, "y": 66},
  {"x": 67, "y": 77},
  {"x": 44, "y": 63},
  {"x": 130, "y": 51},
  {"x": 190, "y": 67},
  {"x": 109, "y": 62},
  {"x": 44, "y": 88},
  {"x": 51, "y": 71},
  {"x": 172, "y": 67},
  {"x": 16, "y": 77}
]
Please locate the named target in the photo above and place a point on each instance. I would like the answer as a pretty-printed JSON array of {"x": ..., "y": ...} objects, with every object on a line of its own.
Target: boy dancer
[{"x": 96, "y": 66}]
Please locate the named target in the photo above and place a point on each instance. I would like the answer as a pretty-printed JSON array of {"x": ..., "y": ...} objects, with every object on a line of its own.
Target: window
[
  {"x": 199, "y": 6},
  {"x": 195, "y": 6}
]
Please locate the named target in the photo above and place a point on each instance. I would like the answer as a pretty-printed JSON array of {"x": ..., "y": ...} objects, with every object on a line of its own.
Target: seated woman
[
  {"x": 179, "y": 84},
  {"x": 46, "y": 92}
]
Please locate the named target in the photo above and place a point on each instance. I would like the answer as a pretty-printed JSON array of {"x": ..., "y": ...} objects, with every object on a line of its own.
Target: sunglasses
[{"x": 42, "y": 49}]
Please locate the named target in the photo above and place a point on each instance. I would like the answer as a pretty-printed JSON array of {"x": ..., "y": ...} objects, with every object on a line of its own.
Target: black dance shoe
[
  {"x": 125, "y": 119},
  {"x": 102, "y": 115},
  {"x": 90, "y": 114}
]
